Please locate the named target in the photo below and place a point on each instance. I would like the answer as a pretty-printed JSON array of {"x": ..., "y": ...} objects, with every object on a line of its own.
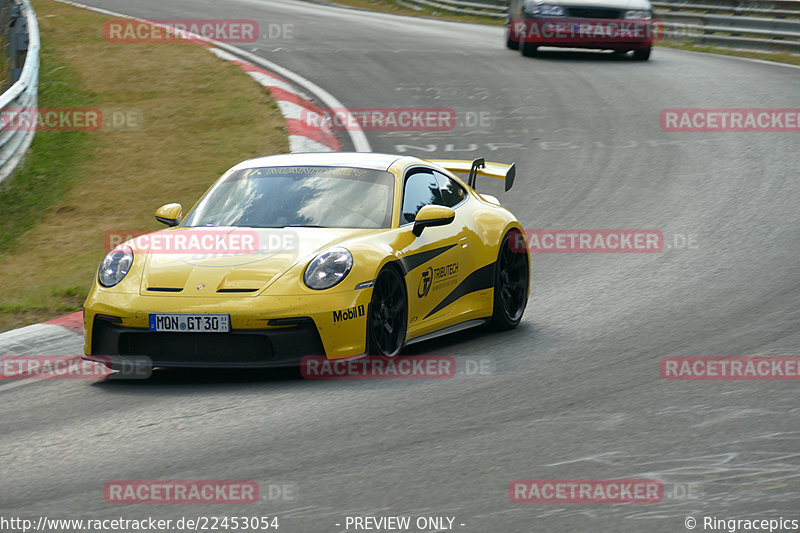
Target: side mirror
[
  {"x": 432, "y": 215},
  {"x": 169, "y": 214}
]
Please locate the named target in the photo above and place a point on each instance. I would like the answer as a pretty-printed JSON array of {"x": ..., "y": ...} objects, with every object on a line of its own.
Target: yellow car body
[{"x": 449, "y": 275}]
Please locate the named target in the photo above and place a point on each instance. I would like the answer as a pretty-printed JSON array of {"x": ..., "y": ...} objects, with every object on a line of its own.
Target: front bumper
[
  {"x": 273, "y": 347},
  {"x": 266, "y": 331},
  {"x": 615, "y": 34}
]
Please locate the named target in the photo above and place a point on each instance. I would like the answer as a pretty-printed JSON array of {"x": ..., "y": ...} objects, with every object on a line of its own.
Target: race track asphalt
[{"x": 575, "y": 391}]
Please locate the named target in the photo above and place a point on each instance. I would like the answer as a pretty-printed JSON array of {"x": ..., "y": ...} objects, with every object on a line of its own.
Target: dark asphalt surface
[{"x": 576, "y": 391}]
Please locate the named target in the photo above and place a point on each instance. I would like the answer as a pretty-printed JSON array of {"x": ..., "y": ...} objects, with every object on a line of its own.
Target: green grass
[
  {"x": 5, "y": 74},
  {"x": 199, "y": 116},
  {"x": 49, "y": 169},
  {"x": 5, "y": 67},
  {"x": 60, "y": 300}
]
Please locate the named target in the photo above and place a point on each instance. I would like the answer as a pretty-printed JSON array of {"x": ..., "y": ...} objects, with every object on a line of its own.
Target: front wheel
[
  {"x": 510, "y": 282},
  {"x": 528, "y": 49},
  {"x": 511, "y": 43},
  {"x": 388, "y": 317}
]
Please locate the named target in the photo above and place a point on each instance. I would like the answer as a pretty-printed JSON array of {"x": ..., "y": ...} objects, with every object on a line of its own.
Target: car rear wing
[{"x": 479, "y": 167}]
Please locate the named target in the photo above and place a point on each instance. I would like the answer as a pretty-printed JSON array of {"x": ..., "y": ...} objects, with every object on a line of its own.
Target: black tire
[
  {"x": 641, "y": 55},
  {"x": 511, "y": 43},
  {"x": 511, "y": 280},
  {"x": 528, "y": 49},
  {"x": 388, "y": 314}
]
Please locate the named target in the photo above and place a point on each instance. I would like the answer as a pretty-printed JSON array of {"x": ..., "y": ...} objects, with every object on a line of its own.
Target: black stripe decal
[
  {"x": 413, "y": 261},
  {"x": 481, "y": 279}
]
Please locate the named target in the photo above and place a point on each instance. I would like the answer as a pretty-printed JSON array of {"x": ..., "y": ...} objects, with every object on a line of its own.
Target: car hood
[{"x": 235, "y": 274}]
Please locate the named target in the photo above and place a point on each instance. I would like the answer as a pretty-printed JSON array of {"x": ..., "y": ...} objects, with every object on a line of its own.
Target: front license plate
[{"x": 189, "y": 323}]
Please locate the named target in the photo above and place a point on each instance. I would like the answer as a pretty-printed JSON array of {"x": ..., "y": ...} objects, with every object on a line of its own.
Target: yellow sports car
[{"x": 335, "y": 254}]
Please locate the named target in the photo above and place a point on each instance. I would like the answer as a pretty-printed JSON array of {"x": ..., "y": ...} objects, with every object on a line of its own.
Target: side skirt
[{"x": 450, "y": 329}]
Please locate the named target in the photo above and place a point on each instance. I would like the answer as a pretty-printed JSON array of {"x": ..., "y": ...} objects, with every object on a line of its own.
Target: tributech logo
[{"x": 425, "y": 283}]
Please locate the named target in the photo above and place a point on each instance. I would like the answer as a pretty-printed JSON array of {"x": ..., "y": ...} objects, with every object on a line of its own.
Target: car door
[
  {"x": 434, "y": 260},
  {"x": 477, "y": 272}
]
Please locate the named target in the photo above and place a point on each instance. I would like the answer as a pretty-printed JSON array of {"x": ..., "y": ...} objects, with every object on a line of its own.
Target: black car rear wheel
[
  {"x": 642, "y": 54},
  {"x": 388, "y": 319},
  {"x": 511, "y": 282}
]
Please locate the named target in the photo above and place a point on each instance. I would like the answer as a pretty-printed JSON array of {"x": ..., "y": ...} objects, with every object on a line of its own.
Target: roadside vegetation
[
  {"x": 5, "y": 74},
  {"x": 5, "y": 59},
  {"x": 184, "y": 116}
]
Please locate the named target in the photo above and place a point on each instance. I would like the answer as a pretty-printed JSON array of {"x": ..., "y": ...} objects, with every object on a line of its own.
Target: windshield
[{"x": 279, "y": 197}]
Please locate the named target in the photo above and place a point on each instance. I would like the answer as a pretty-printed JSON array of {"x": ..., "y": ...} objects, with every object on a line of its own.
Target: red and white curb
[
  {"x": 48, "y": 338},
  {"x": 62, "y": 337},
  {"x": 307, "y": 132}
]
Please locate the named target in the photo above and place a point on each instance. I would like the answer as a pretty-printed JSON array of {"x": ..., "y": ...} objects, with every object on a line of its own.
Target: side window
[
  {"x": 452, "y": 193},
  {"x": 421, "y": 189}
]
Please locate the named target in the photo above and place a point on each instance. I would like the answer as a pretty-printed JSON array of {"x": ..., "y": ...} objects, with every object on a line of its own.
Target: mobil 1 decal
[{"x": 344, "y": 315}]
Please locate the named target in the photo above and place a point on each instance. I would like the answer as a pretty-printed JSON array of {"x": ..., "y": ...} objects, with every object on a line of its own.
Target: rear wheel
[
  {"x": 511, "y": 43},
  {"x": 388, "y": 319},
  {"x": 510, "y": 282},
  {"x": 641, "y": 55}
]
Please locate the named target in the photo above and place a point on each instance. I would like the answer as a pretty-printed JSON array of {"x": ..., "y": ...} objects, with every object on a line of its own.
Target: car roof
[{"x": 366, "y": 160}]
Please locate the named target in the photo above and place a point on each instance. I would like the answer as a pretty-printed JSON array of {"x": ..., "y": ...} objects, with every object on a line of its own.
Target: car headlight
[
  {"x": 531, "y": 7},
  {"x": 115, "y": 266},
  {"x": 328, "y": 269},
  {"x": 638, "y": 14}
]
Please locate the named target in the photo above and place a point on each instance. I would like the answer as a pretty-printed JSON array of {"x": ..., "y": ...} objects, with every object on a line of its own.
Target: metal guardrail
[
  {"x": 488, "y": 8},
  {"x": 752, "y": 25},
  {"x": 22, "y": 31},
  {"x": 749, "y": 24}
]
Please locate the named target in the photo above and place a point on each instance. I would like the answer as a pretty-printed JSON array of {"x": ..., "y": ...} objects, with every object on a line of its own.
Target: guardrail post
[{"x": 17, "y": 41}]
